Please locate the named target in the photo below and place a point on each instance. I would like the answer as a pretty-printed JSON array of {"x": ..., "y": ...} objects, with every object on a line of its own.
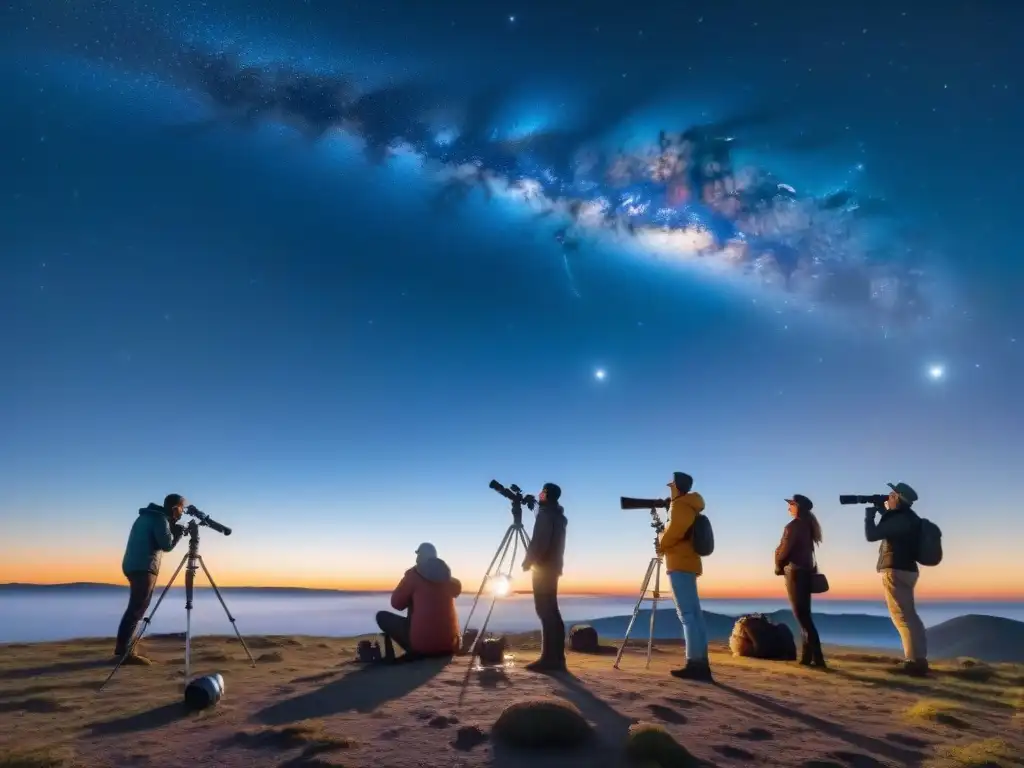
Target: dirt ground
[{"x": 307, "y": 704}]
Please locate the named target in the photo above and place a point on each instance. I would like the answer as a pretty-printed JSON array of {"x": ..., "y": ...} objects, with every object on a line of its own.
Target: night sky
[{"x": 309, "y": 336}]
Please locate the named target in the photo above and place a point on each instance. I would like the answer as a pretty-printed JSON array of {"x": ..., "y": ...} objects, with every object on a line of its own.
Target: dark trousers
[
  {"x": 545, "y": 600},
  {"x": 140, "y": 591},
  {"x": 395, "y": 627},
  {"x": 798, "y": 587}
]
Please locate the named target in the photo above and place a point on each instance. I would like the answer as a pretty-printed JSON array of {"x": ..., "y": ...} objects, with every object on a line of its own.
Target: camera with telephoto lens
[
  {"x": 628, "y": 502},
  {"x": 514, "y": 494},
  {"x": 874, "y": 500}
]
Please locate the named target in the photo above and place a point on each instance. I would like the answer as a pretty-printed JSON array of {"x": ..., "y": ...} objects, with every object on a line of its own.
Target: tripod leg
[
  {"x": 487, "y": 574},
  {"x": 506, "y": 543},
  {"x": 524, "y": 537},
  {"x": 224, "y": 605},
  {"x": 654, "y": 607},
  {"x": 145, "y": 623},
  {"x": 636, "y": 611}
]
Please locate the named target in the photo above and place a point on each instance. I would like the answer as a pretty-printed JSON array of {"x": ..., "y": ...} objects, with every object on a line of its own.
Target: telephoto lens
[{"x": 204, "y": 692}]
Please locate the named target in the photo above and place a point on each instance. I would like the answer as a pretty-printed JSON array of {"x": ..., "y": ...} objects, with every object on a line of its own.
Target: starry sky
[{"x": 307, "y": 345}]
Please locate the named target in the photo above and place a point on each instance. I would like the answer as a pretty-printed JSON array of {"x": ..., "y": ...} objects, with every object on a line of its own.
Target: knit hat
[
  {"x": 552, "y": 492},
  {"x": 683, "y": 482}
]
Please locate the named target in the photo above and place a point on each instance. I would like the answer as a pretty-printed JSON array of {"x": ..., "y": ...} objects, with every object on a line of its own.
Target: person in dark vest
[
  {"x": 545, "y": 557},
  {"x": 794, "y": 559},
  {"x": 899, "y": 530},
  {"x": 154, "y": 532}
]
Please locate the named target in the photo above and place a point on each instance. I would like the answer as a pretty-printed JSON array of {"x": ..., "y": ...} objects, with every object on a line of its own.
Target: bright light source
[
  {"x": 600, "y": 374},
  {"x": 936, "y": 372},
  {"x": 500, "y": 586}
]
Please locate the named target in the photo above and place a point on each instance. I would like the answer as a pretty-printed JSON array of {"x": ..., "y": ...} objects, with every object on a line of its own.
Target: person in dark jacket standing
[
  {"x": 545, "y": 557},
  {"x": 794, "y": 559},
  {"x": 899, "y": 531},
  {"x": 154, "y": 532}
]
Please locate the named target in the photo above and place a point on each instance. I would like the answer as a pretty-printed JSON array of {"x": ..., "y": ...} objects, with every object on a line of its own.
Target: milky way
[{"x": 681, "y": 197}]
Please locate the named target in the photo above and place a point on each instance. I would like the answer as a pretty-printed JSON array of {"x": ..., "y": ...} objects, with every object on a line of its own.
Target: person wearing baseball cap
[
  {"x": 684, "y": 566},
  {"x": 794, "y": 559},
  {"x": 428, "y": 592},
  {"x": 898, "y": 530}
]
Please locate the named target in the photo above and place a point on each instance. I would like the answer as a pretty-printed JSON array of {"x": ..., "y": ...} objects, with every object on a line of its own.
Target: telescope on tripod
[
  {"x": 653, "y": 571},
  {"x": 499, "y": 572},
  {"x": 192, "y": 561}
]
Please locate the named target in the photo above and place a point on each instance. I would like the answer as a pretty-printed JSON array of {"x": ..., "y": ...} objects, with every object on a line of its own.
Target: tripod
[
  {"x": 194, "y": 561},
  {"x": 653, "y": 569},
  {"x": 514, "y": 536}
]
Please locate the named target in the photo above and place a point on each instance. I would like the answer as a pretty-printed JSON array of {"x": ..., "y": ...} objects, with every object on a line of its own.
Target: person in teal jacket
[{"x": 154, "y": 532}]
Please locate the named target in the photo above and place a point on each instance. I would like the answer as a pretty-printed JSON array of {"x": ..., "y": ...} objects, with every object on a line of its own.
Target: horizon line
[{"x": 567, "y": 593}]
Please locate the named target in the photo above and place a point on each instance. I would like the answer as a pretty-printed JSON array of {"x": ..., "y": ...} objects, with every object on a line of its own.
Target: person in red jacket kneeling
[{"x": 428, "y": 592}]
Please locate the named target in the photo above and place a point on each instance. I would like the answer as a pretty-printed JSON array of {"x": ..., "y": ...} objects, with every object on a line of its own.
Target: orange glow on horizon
[{"x": 861, "y": 587}]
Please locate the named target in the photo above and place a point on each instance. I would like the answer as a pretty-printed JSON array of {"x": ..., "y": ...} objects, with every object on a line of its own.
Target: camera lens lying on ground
[{"x": 876, "y": 500}]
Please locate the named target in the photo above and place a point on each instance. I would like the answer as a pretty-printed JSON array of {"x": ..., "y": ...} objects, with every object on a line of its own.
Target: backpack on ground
[
  {"x": 701, "y": 535},
  {"x": 758, "y": 637},
  {"x": 929, "y": 543}
]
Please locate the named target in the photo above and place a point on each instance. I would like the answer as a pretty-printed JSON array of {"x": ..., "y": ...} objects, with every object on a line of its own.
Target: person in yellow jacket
[{"x": 683, "y": 565}]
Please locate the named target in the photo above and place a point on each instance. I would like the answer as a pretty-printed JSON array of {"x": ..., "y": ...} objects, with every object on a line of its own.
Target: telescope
[
  {"x": 514, "y": 494},
  {"x": 628, "y": 502},
  {"x": 205, "y": 519}
]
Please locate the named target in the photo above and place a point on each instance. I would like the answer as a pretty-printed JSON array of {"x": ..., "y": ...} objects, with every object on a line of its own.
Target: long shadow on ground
[
  {"x": 900, "y": 755},
  {"x": 57, "y": 668},
  {"x": 141, "y": 721},
  {"x": 362, "y": 690}
]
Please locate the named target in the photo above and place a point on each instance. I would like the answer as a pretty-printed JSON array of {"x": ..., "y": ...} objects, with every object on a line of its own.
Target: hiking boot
[
  {"x": 694, "y": 670},
  {"x": 916, "y": 668},
  {"x": 132, "y": 659},
  {"x": 543, "y": 665},
  {"x": 805, "y": 656}
]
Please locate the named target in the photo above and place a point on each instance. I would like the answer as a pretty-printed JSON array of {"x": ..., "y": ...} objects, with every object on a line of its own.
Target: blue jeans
[{"x": 695, "y": 633}]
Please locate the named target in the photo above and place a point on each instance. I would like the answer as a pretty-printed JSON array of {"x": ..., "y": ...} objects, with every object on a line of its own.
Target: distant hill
[
  {"x": 841, "y": 628},
  {"x": 987, "y": 638},
  {"x": 92, "y": 586}
]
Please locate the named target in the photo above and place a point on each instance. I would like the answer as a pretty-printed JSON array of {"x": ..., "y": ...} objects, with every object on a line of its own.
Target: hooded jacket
[
  {"x": 151, "y": 536},
  {"x": 428, "y": 591},
  {"x": 675, "y": 544},
  {"x": 547, "y": 545}
]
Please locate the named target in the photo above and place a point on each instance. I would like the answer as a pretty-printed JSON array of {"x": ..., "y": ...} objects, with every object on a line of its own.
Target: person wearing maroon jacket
[{"x": 794, "y": 559}]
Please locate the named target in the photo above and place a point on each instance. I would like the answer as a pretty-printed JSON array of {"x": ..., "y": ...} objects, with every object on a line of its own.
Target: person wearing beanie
[
  {"x": 428, "y": 592},
  {"x": 545, "y": 557},
  {"x": 684, "y": 566},
  {"x": 794, "y": 559}
]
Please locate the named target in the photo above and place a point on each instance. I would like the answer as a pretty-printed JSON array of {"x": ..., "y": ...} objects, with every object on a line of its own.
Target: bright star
[
  {"x": 936, "y": 372},
  {"x": 600, "y": 374},
  {"x": 512, "y": 19}
]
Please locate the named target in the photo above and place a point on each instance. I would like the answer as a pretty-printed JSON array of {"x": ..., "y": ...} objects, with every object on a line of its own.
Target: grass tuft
[
  {"x": 311, "y": 738},
  {"x": 936, "y": 711},
  {"x": 653, "y": 746},
  {"x": 38, "y": 758},
  {"x": 990, "y": 753}
]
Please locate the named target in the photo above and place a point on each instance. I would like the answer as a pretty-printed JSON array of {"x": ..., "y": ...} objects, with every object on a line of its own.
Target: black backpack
[
  {"x": 701, "y": 535},
  {"x": 929, "y": 543}
]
